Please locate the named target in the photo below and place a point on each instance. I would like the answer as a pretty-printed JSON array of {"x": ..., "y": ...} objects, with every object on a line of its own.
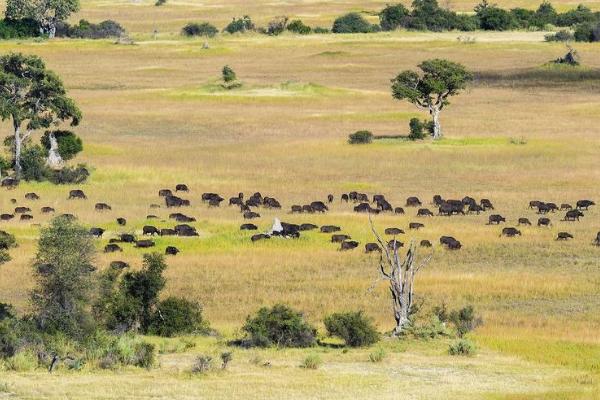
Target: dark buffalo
[
  {"x": 394, "y": 244},
  {"x": 21, "y": 210},
  {"x": 345, "y": 198},
  {"x": 330, "y": 229},
  {"x": 524, "y": 221},
  {"x": 68, "y": 217},
  {"x": 171, "y": 251},
  {"x": 235, "y": 201},
  {"x": 399, "y": 210},
  {"x": 97, "y": 232},
  {"x": 330, "y": 198},
  {"x": 437, "y": 200},
  {"x": 308, "y": 209},
  {"x": 260, "y": 236},
  {"x": 383, "y": 205},
  {"x": 151, "y": 216},
  {"x": 455, "y": 245},
  {"x": 26, "y": 217},
  {"x": 339, "y": 238},
  {"x": 372, "y": 247},
  {"x": 535, "y": 203},
  {"x": 121, "y": 221},
  {"x": 181, "y": 187},
  {"x": 475, "y": 208},
  {"x": 216, "y": 202},
  {"x": 573, "y": 215},
  {"x": 251, "y": 215},
  {"x": 348, "y": 245},
  {"x": 425, "y": 243},
  {"x": 486, "y": 204},
  {"x": 468, "y": 201},
  {"x": 6, "y": 217},
  {"x": 393, "y": 231},
  {"x": 585, "y": 204},
  {"x": 564, "y": 236},
  {"x": 415, "y": 225},
  {"x": 32, "y": 196},
  {"x": 77, "y": 194},
  {"x": 185, "y": 230},
  {"x": 544, "y": 222},
  {"x": 150, "y": 230},
  {"x": 47, "y": 210},
  {"x": 154, "y": 205},
  {"x": 179, "y": 217},
  {"x": 450, "y": 208},
  {"x": 174, "y": 201},
  {"x": 144, "y": 244},
  {"x": 363, "y": 208},
  {"x": 165, "y": 192},
  {"x": 424, "y": 212},
  {"x": 496, "y": 219},
  {"x": 168, "y": 232},
  {"x": 319, "y": 206},
  {"x": 102, "y": 207},
  {"x": 119, "y": 265},
  {"x": 511, "y": 232},
  {"x": 10, "y": 183},
  {"x": 308, "y": 227},
  {"x": 565, "y": 207},
  {"x": 413, "y": 202},
  {"x": 248, "y": 227},
  {"x": 296, "y": 209},
  {"x": 445, "y": 240},
  {"x": 127, "y": 238},
  {"x": 112, "y": 247}
]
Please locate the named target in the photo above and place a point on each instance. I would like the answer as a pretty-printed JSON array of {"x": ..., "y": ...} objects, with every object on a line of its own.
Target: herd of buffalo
[{"x": 251, "y": 206}]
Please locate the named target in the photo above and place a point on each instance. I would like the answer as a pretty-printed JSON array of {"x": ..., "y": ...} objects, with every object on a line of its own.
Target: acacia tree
[
  {"x": 47, "y": 13},
  {"x": 400, "y": 273},
  {"x": 32, "y": 97},
  {"x": 431, "y": 89}
]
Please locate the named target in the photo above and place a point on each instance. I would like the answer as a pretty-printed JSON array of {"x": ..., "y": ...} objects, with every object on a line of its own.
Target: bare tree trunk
[
  {"x": 437, "y": 127},
  {"x": 18, "y": 152},
  {"x": 54, "y": 159}
]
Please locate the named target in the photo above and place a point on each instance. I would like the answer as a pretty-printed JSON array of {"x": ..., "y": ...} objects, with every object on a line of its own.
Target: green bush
[
  {"x": 276, "y": 26},
  {"x": 69, "y": 175},
  {"x": 377, "y": 356},
  {"x": 88, "y": 30},
  {"x": 7, "y": 240},
  {"x": 18, "y": 29},
  {"x": 226, "y": 358},
  {"x": 492, "y": 18},
  {"x": 353, "y": 327},
  {"x": 587, "y": 32},
  {"x": 69, "y": 144},
  {"x": 33, "y": 164},
  {"x": 462, "y": 347},
  {"x": 297, "y": 26},
  {"x": 464, "y": 320},
  {"x": 560, "y": 36},
  {"x": 23, "y": 361},
  {"x": 228, "y": 74},
  {"x": 580, "y": 15},
  {"x": 431, "y": 328},
  {"x": 202, "y": 365},
  {"x": 321, "y": 30},
  {"x": 199, "y": 29},
  {"x": 352, "y": 23},
  {"x": 416, "y": 129},
  {"x": 312, "y": 361},
  {"x": 159, "y": 3},
  {"x": 360, "y": 137},
  {"x": 175, "y": 316},
  {"x": 6, "y": 311},
  {"x": 278, "y": 326},
  {"x": 393, "y": 17},
  {"x": 240, "y": 25}
]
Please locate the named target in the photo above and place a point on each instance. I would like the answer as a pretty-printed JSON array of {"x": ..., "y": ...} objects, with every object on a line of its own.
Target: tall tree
[
  {"x": 32, "y": 97},
  {"x": 431, "y": 89},
  {"x": 65, "y": 279},
  {"x": 47, "y": 13}
]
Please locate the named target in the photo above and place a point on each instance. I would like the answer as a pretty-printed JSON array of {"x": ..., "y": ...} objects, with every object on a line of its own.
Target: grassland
[{"x": 153, "y": 118}]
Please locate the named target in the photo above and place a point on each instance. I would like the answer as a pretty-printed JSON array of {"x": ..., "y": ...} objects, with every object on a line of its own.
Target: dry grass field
[{"x": 153, "y": 117}]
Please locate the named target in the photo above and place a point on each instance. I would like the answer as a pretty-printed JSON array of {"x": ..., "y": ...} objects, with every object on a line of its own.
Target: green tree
[
  {"x": 69, "y": 144},
  {"x": 431, "y": 89},
  {"x": 65, "y": 279},
  {"x": 47, "y": 13},
  {"x": 392, "y": 17},
  {"x": 32, "y": 97}
]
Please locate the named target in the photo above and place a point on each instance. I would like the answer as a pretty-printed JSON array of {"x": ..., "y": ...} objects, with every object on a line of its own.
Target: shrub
[
  {"x": 23, "y": 361},
  {"x": 240, "y": 25},
  {"x": 6, "y": 311},
  {"x": 199, "y": 29},
  {"x": 175, "y": 316},
  {"x": 352, "y": 23},
  {"x": 69, "y": 144},
  {"x": 297, "y": 26},
  {"x": 68, "y": 175},
  {"x": 87, "y": 30},
  {"x": 430, "y": 329},
  {"x": 228, "y": 74},
  {"x": 545, "y": 15},
  {"x": 226, "y": 358},
  {"x": 392, "y": 17},
  {"x": 377, "y": 356},
  {"x": 353, "y": 327},
  {"x": 464, "y": 320},
  {"x": 587, "y": 33},
  {"x": 160, "y": 2},
  {"x": 560, "y": 36},
  {"x": 321, "y": 30},
  {"x": 145, "y": 355},
  {"x": 7, "y": 240},
  {"x": 360, "y": 137},
  {"x": 416, "y": 129},
  {"x": 278, "y": 326},
  {"x": 18, "y": 29},
  {"x": 277, "y": 26},
  {"x": 495, "y": 19},
  {"x": 581, "y": 14},
  {"x": 522, "y": 17},
  {"x": 33, "y": 163},
  {"x": 462, "y": 347},
  {"x": 312, "y": 361},
  {"x": 202, "y": 364}
]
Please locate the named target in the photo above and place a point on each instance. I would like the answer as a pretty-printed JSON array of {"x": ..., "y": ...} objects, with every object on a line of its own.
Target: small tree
[
  {"x": 228, "y": 74},
  {"x": 69, "y": 144},
  {"x": 279, "y": 326},
  {"x": 352, "y": 23},
  {"x": 47, "y": 13},
  {"x": 392, "y": 17},
  {"x": 353, "y": 327},
  {"x": 400, "y": 273},
  {"x": 431, "y": 90},
  {"x": 64, "y": 275},
  {"x": 32, "y": 97}
]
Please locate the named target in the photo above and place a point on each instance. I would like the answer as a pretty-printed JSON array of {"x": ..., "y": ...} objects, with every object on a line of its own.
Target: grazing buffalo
[
  {"x": 496, "y": 219},
  {"x": 26, "y": 217},
  {"x": 32, "y": 196},
  {"x": 394, "y": 244},
  {"x": 535, "y": 203},
  {"x": 308, "y": 227},
  {"x": 468, "y": 201},
  {"x": 6, "y": 217},
  {"x": 348, "y": 245},
  {"x": 486, "y": 204},
  {"x": 171, "y": 251},
  {"x": 573, "y": 215},
  {"x": 399, "y": 210},
  {"x": 251, "y": 215},
  {"x": 10, "y": 183},
  {"x": 248, "y": 227},
  {"x": 77, "y": 194},
  {"x": 545, "y": 208},
  {"x": 253, "y": 202},
  {"x": 378, "y": 197},
  {"x": 511, "y": 232},
  {"x": 339, "y": 238},
  {"x": 393, "y": 231},
  {"x": 127, "y": 237},
  {"x": 544, "y": 222},
  {"x": 21, "y": 210},
  {"x": 565, "y": 207},
  {"x": 151, "y": 216},
  {"x": 597, "y": 240},
  {"x": 330, "y": 198},
  {"x": 424, "y": 212},
  {"x": 236, "y": 201},
  {"x": 144, "y": 244},
  {"x": 446, "y": 240},
  {"x": 425, "y": 243},
  {"x": 47, "y": 210},
  {"x": 372, "y": 247},
  {"x": 150, "y": 230},
  {"x": 363, "y": 208},
  {"x": 121, "y": 221},
  {"x": 475, "y": 208},
  {"x": 585, "y": 204},
  {"x": 112, "y": 247},
  {"x": 102, "y": 207},
  {"x": 179, "y": 217},
  {"x": 345, "y": 198},
  {"x": 455, "y": 245},
  {"x": 564, "y": 236},
  {"x": 165, "y": 192},
  {"x": 181, "y": 187},
  {"x": 413, "y": 202},
  {"x": 451, "y": 207},
  {"x": 216, "y": 202},
  {"x": 524, "y": 221},
  {"x": 319, "y": 206},
  {"x": 119, "y": 265},
  {"x": 437, "y": 200},
  {"x": 260, "y": 236},
  {"x": 415, "y": 225},
  {"x": 308, "y": 209},
  {"x": 330, "y": 229},
  {"x": 296, "y": 209},
  {"x": 168, "y": 232},
  {"x": 384, "y": 205},
  {"x": 185, "y": 230},
  {"x": 174, "y": 201},
  {"x": 97, "y": 232}
]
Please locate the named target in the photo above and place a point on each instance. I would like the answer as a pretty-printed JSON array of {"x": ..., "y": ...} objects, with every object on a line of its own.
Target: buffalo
[
  {"x": 475, "y": 208},
  {"x": 511, "y": 232},
  {"x": 112, "y": 247},
  {"x": 339, "y": 238},
  {"x": 308, "y": 209},
  {"x": 32, "y": 196},
  {"x": 544, "y": 222},
  {"x": 393, "y": 231},
  {"x": 363, "y": 208},
  {"x": 185, "y": 230},
  {"x": 181, "y": 187},
  {"x": 121, "y": 221},
  {"x": 372, "y": 247},
  {"x": 168, "y": 232},
  {"x": 248, "y": 227},
  {"x": 348, "y": 245},
  {"x": 437, "y": 200},
  {"x": 144, "y": 244},
  {"x": 102, "y": 207},
  {"x": 77, "y": 194},
  {"x": 345, "y": 198},
  {"x": 174, "y": 201},
  {"x": 179, "y": 217},
  {"x": 496, "y": 219},
  {"x": 215, "y": 202},
  {"x": 308, "y": 227},
  {"x": 319, "y": 206},
  {"x": 564, "y": 236},
  {"x": 424, "y": 212},
  {"x": 236, "y": 201},
  {"x": 394, "y": 244},
  {"x": 127, "y": 237},
  {"x": 330, "y": 198},
  {"x": 251, "y": 215},
  {"x": 150, "y": 230},
  {"x": 573, "y": 215},
  {"x": 296, "y": 209},
  {"x": 524, "y": 221},
  {"x": 486, "y": 204},
  {"x": 6, "y": 217},
  {"x": 10, "y": 183},
  {"x": 26, "y": 217},
  {"x": 260, "y": 236},
  {"x": 413, "y": 202},
  {"x": 47, "y": 210},
  {"x": 21, "y": 210},
  {"x": 399, "y": 210},
  {"x": 330, "y": 229},
  {"x": 425, "y": 243},
  {"x": 119, "y": 265},
  {"x": 165, "y": 192},
  {"x": 585, "y": 204},
  {"x": 151, "y": 216},
  {"x": 415, "y": 225},
  {"x": 97, "y": 232},
  {"x": 565, "y": 207},
  {"x": 171, "y": 251}
]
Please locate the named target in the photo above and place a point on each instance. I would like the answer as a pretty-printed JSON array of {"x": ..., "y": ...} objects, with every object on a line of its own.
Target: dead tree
[{"x": 400, "y": 273}]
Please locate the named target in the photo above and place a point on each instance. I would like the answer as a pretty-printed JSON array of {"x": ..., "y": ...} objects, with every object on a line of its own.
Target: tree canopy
[{"x": 47, "y": 13}]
